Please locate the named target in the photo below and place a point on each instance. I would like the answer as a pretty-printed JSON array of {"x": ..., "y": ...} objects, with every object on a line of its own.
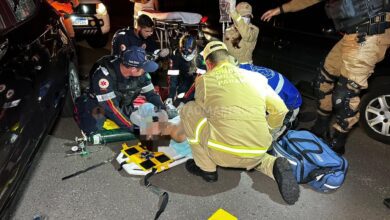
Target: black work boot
[
  {"x": 288, "y": 186},
  {"x": 337, "y": 144},
  {"x": 321, "y": 126},
  {"x": 194, "y": 169}
]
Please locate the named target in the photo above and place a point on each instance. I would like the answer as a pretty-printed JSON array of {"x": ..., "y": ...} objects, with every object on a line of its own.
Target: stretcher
[
  {"x": 172, "y": 25},
  {"x": 136, "y": 160}
]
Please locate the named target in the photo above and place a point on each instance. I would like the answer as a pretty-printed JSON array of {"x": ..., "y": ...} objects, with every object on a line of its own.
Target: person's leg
[
  {"x": 328, "y": 76},
  {"x": 280, "y": 170},
  {"x": 195, "y": 127},
  {"x": 359, "y": 60}
]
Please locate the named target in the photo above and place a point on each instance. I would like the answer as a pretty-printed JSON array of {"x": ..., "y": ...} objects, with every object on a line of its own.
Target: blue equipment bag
[{"x": 312, "y": 160}]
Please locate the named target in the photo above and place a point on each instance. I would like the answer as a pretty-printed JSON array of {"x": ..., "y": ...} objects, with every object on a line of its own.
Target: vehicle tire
[
  {"x": 375, "y": 113},
  {"x": 98, "y": 41},
  {"x": 74, "y": 91}
]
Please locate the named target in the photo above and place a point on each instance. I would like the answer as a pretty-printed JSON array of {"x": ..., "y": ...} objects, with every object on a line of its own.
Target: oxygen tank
[{"x": 109, "y": 136}]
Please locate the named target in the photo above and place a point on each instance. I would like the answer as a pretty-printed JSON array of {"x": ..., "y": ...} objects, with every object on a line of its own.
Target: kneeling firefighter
[
  {"x": 114, "y": 84},
  {"x": 347, "y": 67}
]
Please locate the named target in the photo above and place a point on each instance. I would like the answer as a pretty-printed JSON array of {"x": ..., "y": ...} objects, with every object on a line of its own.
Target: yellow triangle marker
[{"x": 221, "y": 214}]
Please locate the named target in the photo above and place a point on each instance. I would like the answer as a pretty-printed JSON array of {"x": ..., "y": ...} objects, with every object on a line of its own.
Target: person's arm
[
  {"x": 105, "y": 95},
  {"x": 118, "y": 40},
  {"x": 292, "y": 6},
  {"x": 148, "y": 91},
  {"x": 247, "y": 32},
  {"x": 276, "y": 108}
]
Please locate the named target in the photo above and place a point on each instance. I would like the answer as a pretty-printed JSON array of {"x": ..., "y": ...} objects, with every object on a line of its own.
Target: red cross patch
[{"x": 103, "y": 83}]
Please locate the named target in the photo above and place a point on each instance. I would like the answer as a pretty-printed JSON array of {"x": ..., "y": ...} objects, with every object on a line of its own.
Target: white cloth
[{"x": 185, "y": 17}]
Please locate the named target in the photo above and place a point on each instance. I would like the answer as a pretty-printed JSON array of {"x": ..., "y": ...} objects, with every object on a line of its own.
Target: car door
[
  {"x": 296, "y": 43},
  {"x": 33, "y": 81}
]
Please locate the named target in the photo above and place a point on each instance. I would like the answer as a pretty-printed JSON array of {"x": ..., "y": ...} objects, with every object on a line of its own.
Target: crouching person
[
  {"x": 226, "y": 125},
  {"x": 114, "y": 84}
]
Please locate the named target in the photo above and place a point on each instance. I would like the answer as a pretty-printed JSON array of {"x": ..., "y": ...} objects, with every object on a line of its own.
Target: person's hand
[
  {"x": 164, "y": 52},
  {"x": 169, "y": 101},
  {"x": 269, "y": 14}
]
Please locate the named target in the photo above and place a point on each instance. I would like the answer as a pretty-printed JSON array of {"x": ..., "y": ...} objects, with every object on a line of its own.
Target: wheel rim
[
  {"x": 74, "y": 84},
  {"x": 377, "y": 115}
]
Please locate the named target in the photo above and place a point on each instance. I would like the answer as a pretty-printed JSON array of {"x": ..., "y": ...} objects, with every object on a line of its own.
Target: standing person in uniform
[
  {"x": 241, "y": 38},
  {"x": 115, "y": 83},
  {"x": 349, "y": 64},
  {"x": 227, "y": 126},
  {"x": 141, "y": 36},
  {"x": 185, "y": 63}
]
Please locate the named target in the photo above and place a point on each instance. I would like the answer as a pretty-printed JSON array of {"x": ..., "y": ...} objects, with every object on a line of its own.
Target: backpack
[{"x": 312, "y": 160}]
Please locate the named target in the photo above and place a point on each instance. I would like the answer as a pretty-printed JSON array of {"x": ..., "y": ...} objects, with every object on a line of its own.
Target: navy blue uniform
[
  {"x": 111, "y": 96},
  {"x": 182, "y": 74},
  {"x": 128, "y": 38}
]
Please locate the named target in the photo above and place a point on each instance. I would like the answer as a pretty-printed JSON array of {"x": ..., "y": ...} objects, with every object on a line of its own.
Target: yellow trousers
[{"x": 208, "y": 159}]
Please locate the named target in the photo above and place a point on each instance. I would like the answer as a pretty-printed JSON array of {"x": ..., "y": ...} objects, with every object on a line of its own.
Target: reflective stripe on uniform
[
  {"x": 173, "y": 72},
  {"x": 280, "y": 85},
  {"x": 147, "y": 88},
  {"x": 243, "y": 151},
  {"x": 105, "y": 97},
  {"x": 104, "y": 70},
  {"x": 118, "y": 114},
  {"x": 198, "y": 129}
]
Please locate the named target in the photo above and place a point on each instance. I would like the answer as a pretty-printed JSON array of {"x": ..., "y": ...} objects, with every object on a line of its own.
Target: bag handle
[
  {"x": 318, "y": 174},
  {"x": 304, "y": 152}
]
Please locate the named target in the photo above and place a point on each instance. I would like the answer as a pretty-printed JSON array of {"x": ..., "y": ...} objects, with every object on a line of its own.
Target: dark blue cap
[{"x": 136, "y": 57}]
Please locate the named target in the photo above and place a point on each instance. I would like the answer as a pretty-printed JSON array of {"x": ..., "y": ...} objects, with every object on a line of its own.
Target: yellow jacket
[
  {"x": 236, "y": 102},
  {"x": 246, "y": 37}
]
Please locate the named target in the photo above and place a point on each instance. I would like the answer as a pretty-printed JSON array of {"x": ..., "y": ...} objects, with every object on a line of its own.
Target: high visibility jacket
[
  {"x": 235, "y": 102},
  {"x": 241, "y": 39}
]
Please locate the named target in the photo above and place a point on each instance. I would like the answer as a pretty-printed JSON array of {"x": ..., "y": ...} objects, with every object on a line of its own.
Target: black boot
[
  {"x": 321, "y": 126},
  {"x": 194, "y": 169},
  {"x": 338, "y": 142},
  {"x": 288, "y": 186}
]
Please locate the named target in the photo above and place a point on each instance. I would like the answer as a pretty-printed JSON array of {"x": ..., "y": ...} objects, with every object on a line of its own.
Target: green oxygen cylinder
[{"x": 109, "y": 136}]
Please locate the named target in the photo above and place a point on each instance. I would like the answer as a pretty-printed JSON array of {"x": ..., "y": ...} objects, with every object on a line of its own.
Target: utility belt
[{"x": 375, "y": 25}]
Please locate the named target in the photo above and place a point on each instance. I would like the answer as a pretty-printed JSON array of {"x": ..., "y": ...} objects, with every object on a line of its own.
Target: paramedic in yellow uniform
[{"x": 227, "y": 126}]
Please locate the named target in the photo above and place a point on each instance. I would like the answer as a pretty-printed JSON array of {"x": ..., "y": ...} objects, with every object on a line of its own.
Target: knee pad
[
  {"x": 323, "y": 78},
  {"x": 345, "y": 90}
]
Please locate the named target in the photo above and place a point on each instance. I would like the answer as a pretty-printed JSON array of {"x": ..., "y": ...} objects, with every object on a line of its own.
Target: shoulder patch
[{"x": 103, "y": 83}]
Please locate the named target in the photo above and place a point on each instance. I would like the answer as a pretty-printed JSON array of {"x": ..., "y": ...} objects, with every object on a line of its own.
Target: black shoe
[
  {"x": 194, "y": 169},
  {"x": 288, "y": 186},
  {"x": 337, "y": 144}
]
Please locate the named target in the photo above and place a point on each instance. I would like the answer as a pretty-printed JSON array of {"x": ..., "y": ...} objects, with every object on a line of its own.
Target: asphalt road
[{"x": 105, "y": 193}]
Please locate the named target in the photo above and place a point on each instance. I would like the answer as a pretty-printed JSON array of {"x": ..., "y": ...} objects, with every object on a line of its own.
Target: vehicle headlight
[{"x": 101, "y": 9}]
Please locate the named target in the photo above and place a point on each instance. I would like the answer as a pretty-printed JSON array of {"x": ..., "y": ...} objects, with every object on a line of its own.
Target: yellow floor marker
[{"x": 221, "y": 214}]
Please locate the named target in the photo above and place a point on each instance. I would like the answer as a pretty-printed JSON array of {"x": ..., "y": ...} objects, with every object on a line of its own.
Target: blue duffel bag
[{"x": 313, "y": 161}]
